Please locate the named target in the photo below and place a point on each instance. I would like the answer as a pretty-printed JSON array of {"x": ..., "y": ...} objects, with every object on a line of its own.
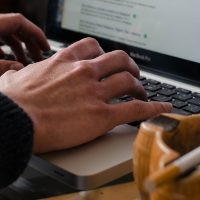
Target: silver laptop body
[{"x": 163, "y": 38}]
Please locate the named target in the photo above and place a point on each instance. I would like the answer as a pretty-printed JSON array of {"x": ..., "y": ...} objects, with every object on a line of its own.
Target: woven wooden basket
[{"x": 160, "y": 141}]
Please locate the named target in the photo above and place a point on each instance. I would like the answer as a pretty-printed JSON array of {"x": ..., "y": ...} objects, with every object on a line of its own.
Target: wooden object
[
  {"x": 174, "y": 170},
  {"x": 126, "y": 191},
  {"x": 159, "y": 142}
]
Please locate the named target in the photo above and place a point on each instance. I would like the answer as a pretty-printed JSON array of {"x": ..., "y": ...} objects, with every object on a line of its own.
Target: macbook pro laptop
[{"x": 163, "y": 37}]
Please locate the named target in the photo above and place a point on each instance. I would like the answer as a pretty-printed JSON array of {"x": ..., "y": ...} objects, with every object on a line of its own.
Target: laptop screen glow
[{"x": 157, "y": 25}]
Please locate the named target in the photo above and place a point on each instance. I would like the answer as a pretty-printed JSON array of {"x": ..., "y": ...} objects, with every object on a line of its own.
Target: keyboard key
[
  {"x": 48, "y": 54},
  {"x": 124, "y": 97},
  {"x": 115, "y": 101},
  {"x": 142, "y": 78},
  {"x": 129, "y": 99},
  {"x": 154, "y": 82},
  {"x": 192, "y": 108},
  {"x": 168, "y": 86},
  {"x": 182, "y": 97},
  {"x": 152, "y": 88},
  {"x": 195, "y": 94},
  {"x": 184, "y": 101},
  {"x": 178, "y": 104},
  {"x": 181, "y": 90},
  {"x": 144, "y": 82},
  {"x": 166, "y": 92},
  {"x": 65, "y": 45},
  {"x": 180, "y": 112},
  {"x": 195, "y": 101},
  {"x": 161, "y": 98},
  {"x": 9, "y": 57},
  {"x": 150, "y": 94}
]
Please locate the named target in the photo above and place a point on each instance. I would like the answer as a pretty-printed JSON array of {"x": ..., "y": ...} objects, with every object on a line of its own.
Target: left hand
[
  {"x": 6, "y": 65},
  {"x": 15, "y": 29}
]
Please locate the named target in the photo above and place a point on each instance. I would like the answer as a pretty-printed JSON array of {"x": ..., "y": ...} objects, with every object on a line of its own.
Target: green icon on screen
[
  {"x": 134, "y": 16},
  {"x": 145, "y": 35}
]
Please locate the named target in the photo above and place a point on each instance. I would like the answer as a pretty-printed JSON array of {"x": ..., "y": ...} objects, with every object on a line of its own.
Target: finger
[
  {"x": 24, "y": 29},
  {"x": 34, "y": 50},
  {"x": 84, "y": 49},
  {"x": 16, "y": 47},
  {"x": 137, "y": 110},
  {"x": 121, "y": 84},
  {"x": 114, "y": 62},
  {"x": 9, "y": 65},
  {"x": 29, "y": 31}
]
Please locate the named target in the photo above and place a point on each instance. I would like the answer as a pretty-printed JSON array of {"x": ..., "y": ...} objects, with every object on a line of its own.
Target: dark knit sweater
[{"x": 16, "y": 138}]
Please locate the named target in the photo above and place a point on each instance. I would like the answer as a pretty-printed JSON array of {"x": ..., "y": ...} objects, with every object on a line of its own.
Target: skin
[
  {"x": 68, "y": 95},
  {"x": 16, "y": 29},
  {"x": 9, "y": 65}
]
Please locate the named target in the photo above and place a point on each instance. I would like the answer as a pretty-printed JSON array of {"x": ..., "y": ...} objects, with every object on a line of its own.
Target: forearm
[{"x": 16, "y": 138}]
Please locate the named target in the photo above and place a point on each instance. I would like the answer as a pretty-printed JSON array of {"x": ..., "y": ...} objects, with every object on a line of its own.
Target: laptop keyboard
[
  {"x": 184, "y": 101},
  {"x": 11, "y": 57},
  {"x": 48, "y": 54}
]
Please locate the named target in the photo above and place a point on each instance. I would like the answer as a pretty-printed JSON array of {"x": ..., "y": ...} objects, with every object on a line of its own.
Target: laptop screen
[{"x": 162, "y": 36}]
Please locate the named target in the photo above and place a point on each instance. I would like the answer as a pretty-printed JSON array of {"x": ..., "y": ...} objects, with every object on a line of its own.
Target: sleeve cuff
[{"x": 16, "y": 140}]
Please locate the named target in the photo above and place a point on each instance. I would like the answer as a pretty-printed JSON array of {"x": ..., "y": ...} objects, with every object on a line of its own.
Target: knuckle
[
  {"x": 56, "y": 57},
  {"x": 40, "y": 31},
  {"x": 60, "y": 53},
  {"x": 19, "y": 20},
  {"x": 85, "y": 68},
  {"x": 91, "y": 41},
  {"x": 122, "y": 55},
  {"x": 63, "y": 55},
  {"x": 129, "y": 78},
  {"x": 18, "y": 16}
]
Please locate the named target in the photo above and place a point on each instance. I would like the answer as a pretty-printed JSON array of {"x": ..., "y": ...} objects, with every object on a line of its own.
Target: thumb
[{"x": 6, "y": 65}]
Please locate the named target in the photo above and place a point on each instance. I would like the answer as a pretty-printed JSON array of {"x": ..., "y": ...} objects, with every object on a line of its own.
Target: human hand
[
  {"x": 15, "y": 29},
  {"x": 67, "y": 96},
  {"x": 6, "y": 65}
]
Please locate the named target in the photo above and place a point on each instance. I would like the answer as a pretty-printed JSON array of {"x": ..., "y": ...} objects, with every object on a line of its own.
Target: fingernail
[
  {"x": 168, "y": 106},
  {"x": 131, "y": 61}
]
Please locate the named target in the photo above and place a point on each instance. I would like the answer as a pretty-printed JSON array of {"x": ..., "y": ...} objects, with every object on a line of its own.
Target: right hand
[{"x": 67, "y": 96}]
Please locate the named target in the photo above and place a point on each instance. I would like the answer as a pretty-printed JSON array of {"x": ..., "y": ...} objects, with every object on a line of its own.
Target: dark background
[{"x": 35, "y": 10}]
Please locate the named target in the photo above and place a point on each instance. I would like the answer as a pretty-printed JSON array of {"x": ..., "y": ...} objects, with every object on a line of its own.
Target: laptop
[{"x": 162, "y": 37}]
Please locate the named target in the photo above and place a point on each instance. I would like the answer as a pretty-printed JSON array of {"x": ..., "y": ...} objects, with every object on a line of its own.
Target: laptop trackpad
[{"x": 98, "y": 162}]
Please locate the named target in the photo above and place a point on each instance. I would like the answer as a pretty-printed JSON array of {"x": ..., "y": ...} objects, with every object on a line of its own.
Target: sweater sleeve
[{"x": 16, "y": 139}]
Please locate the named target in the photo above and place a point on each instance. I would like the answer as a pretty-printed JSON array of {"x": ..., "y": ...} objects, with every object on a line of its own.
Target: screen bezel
[{"x": 168, "y": 66}]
